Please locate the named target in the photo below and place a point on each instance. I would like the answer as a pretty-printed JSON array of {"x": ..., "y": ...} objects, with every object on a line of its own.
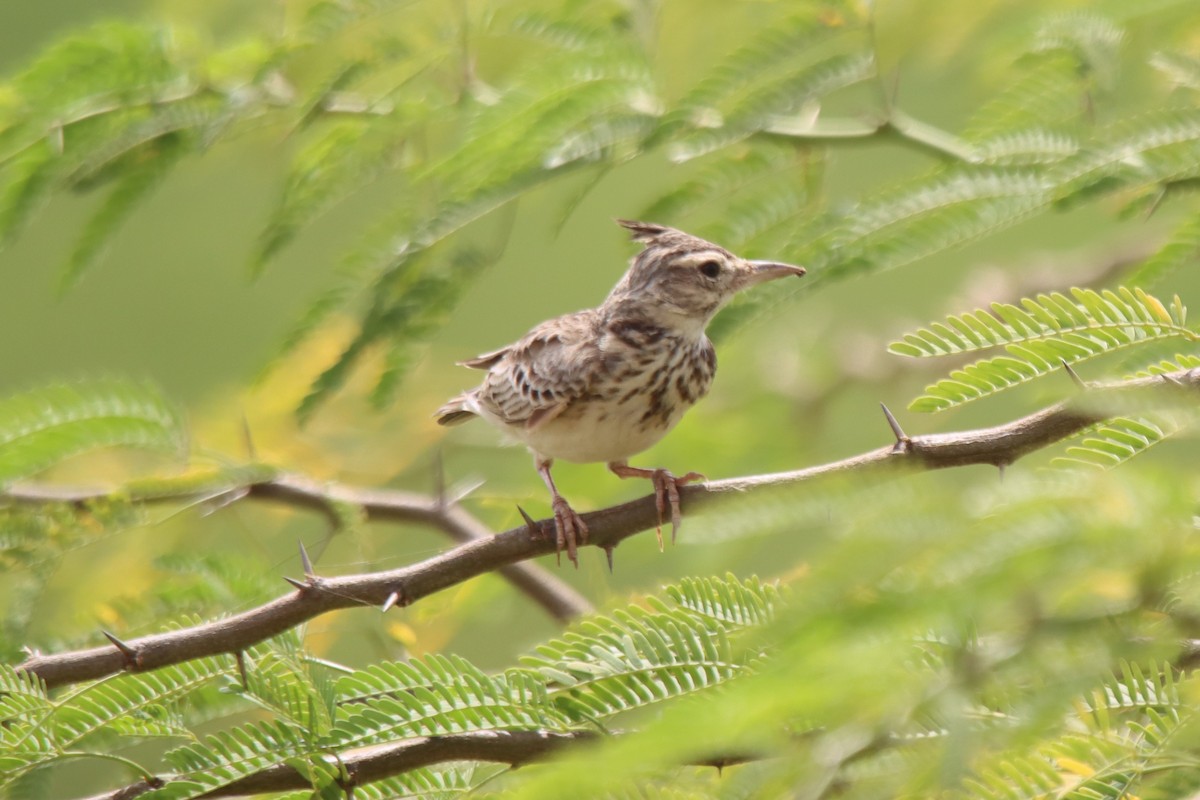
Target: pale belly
[{"x": 598, "y": 433}]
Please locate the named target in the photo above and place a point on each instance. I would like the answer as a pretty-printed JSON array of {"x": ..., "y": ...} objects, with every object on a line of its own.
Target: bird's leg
[
  {"x": 666, "y": 491},
  {"x": 569, "y": 528}
]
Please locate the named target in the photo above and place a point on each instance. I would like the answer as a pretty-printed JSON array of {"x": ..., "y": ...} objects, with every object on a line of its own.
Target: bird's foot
[
  {"x": 570, "y": 530},
  {"x": 666, "y": 493}
]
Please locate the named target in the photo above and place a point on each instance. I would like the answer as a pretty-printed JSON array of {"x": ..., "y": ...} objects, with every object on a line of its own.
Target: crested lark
[{"x": 607, "y": 383}]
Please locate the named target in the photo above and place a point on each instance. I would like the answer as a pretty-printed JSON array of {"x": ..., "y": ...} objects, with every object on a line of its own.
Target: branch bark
[
  {"x": 375, "y": 763},
  {"x": 998, "y": 446},
  {"x": 383, "y": 505}
]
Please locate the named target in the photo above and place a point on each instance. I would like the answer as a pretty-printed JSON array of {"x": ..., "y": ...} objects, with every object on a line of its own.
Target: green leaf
[
  {"x": 229, "y": 755},
  {"x": 732, "y": 602},
  {"x": 435, "y": 695},
  {"x": 1040, "y": 91},
  {"x": 92, "y": 707},
  {"x": 1182, "y": 249},
  {"x": 1148, "y": 150},
  {"x": 633, "y": 659},
  {"x": 22, "y": 694},
  {"x": 39, "y": 732},
  {"x": 915, "y": 220},
  {"x": 1106, "y": 319},
  {"x": 1182, "y": 69},
  {"x": 1038, "y": 336},
  {"x": 133, "y": 186},
  {"x": 42, "y": 427},
  {"x": 1116, "y": 441}
]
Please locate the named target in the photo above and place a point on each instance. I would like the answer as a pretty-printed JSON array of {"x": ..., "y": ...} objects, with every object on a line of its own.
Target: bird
[{"x": 606, "y": 383}]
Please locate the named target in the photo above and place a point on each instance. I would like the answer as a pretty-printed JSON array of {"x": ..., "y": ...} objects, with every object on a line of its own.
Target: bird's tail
[{"x": 456, "y": 411}]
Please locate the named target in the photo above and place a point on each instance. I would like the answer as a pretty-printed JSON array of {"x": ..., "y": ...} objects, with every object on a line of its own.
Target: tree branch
[
  {"x": 381, "y": 505},
  {"x": 370, "y": 764},
  {"x": 998, "y": 446}
]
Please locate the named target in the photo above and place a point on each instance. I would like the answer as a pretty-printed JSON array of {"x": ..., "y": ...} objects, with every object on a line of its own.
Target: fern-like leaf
[
  {"x": 1038, "y": 336},
  {"x": 1182, "y": 249},
  {"x": 633, "y": 659},
  {"x": 1146, "y": 151},
  {"x": 128, "y": 704},
  {"x": 133, "y": 186},
  {"x": 337, "y": 157},
  {"x": 1116, "y": 441},
  {"x": 1181, "y": 361},
  {"x": 913, "y": 221},
  {"x": 436, "y": 695},
  {"x": 286, "y": 686},
  {"x": 1137, "y": 689},
  {"x": 25, "y": 742},
  {"x": 730, "y": 602},
  {"x": 726, "y": 174},
  {"x": 1040, "y": 90},
  {"x": 783, "y": 69},
  {"x": 1027, "y": 147},
  {"x": 1181, "y": 68},
  {"x": 230, "y": 755},
  {"x": 426, "y": 784},
  {"x": 44, "y": 426},
  {"x": 92, "y": 707},
  {"x": 1093, "y": 40}
]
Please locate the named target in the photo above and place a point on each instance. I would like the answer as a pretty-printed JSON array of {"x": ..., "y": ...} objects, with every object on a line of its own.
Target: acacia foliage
[{"x": 1011, "y": 640}]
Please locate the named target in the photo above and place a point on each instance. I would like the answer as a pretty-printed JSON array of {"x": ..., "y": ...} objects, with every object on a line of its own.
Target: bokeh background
[{"x": 172, "y": 300}]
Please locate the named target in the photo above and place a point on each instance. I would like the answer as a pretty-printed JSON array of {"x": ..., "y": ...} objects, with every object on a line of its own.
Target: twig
[
  {"x": 391, "y": 505},
  {"x": 381, "y": 505},
  {"x": 997, "y": 446},
  {"x": 375, "y": 763}
]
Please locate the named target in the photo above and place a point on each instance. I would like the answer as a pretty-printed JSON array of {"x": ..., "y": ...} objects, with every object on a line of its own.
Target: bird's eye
[{"x": 710, "y": 269}]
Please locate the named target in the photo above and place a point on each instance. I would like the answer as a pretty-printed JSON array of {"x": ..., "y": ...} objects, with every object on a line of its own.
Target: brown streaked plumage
[{"x": 607, "y": 383}]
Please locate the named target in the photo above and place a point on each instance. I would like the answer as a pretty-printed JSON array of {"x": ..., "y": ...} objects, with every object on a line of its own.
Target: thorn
[
  {"x": 439, "y": 480},
  {"x": 133, "y": 659},
  {"x": 248, "y": 438},
  {"x": 458, "y": 493},
  {"x": 902, "y": 440},
  {"x": 1074, "y": 375},
  {"x": 608, "y": 553},
  {"x": 1002, "y": 466},
  {"x": 1170, "y": 377},
  {"x": 241, "y": 665},
  {"x": 1159, "y": 196},
  {"x": 306, "y": 562},
  {"x": 301, "y": 585},
  {"x": 533, "y": 527},
  {"x": 218, "y": 501},
  {"x": 392, "y": 600}
]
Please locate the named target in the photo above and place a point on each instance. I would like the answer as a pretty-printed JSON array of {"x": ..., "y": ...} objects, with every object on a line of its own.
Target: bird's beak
[{"x": 763, "y": 271}]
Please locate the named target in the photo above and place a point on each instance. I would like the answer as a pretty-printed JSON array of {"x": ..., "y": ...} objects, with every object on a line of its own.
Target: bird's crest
[{"x": 645, "y": 232}]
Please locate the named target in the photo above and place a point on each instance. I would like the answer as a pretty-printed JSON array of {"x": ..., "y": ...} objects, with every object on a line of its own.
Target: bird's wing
[
  {"x": 487, "y": 360},
  {"x": 537, "y": 378}
]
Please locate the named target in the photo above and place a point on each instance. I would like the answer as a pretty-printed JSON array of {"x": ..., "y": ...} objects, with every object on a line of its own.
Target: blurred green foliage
[{"x": 432, "y": 179}]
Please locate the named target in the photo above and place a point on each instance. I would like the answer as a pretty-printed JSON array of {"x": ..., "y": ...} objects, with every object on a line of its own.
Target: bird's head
[{"x": 683, "y": 280}]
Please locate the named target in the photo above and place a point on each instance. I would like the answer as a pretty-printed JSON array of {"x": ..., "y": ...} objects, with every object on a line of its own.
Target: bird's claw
[
  {"x": 666, "y": 492},
  {"x": 570, "y": 530}
]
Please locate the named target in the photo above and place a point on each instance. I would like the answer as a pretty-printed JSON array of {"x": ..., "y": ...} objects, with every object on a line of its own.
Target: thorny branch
[
  {"x": 381, "y": 505},
  {"x": 375, "y": 763},
  {"x": 314, "y": 595}
]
